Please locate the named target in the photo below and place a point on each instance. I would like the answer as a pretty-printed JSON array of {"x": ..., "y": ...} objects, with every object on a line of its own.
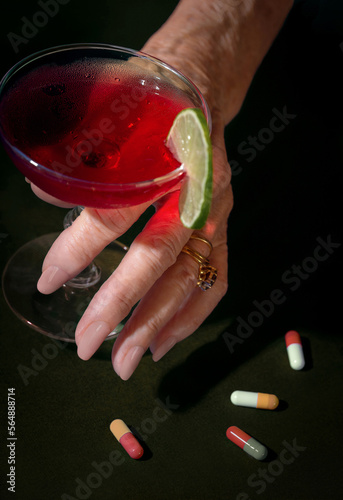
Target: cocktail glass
[{"x": 87, "y": 124}]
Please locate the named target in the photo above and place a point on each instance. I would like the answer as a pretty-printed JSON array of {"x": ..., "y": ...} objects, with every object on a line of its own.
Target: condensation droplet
[{"x": 54, "y": 90}]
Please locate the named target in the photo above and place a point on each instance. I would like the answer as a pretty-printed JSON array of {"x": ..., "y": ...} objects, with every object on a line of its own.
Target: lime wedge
[{"x": 189, "y": 141}]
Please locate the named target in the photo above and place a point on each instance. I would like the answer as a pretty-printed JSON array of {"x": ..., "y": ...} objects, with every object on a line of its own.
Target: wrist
[{"x": 219, "y": 46}]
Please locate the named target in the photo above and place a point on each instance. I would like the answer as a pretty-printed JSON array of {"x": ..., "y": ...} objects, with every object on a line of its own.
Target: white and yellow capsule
[{"x": 255, "y": 400}]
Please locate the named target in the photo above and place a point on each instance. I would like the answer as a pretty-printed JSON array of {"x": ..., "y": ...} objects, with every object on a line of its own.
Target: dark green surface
[{"x": 285, "y": 199}]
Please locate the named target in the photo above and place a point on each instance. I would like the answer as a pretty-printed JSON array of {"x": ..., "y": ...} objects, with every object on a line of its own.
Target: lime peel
[{"x": 190, "y": 143}]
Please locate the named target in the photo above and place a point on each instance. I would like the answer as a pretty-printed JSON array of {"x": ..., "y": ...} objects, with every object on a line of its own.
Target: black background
[{"x": 286, "y": 197}]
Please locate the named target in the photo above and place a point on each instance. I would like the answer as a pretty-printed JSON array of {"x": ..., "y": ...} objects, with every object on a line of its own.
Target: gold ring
[
  {"x": 207, "y": 273},
  {"x": 204, "y": 240}
]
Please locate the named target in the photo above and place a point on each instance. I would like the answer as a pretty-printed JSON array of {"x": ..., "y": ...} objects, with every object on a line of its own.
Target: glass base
[{"x": 55, "y": 315}]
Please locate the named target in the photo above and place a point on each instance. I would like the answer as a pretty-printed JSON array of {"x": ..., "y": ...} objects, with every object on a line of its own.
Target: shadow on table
[{"x": 190, "y": 381}]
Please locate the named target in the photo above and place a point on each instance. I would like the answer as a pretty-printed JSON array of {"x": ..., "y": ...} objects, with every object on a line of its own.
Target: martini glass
[{"x": 87, "y": 124}]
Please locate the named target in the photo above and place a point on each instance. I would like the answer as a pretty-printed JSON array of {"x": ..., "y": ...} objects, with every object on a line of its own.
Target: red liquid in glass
[{"x": 95, "y": 121}]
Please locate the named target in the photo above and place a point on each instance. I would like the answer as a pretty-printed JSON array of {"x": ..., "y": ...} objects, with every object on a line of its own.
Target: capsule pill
[
  {"x": 254, "y": 400},
  {"x": 295, "y": 350},
  {"x": 247, "y": 443},
  {"x": 125, "y": 437}
]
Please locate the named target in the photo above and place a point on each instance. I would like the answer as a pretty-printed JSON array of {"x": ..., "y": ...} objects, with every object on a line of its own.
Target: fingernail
[
  {"x": 131, "y": 362},
  {"x": 164, "y": 348},
  {"x": 51, "y": 279},
  {"x": 92, "y": 339}
]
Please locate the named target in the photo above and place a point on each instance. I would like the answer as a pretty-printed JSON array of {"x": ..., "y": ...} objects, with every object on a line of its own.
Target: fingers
[
  {"x": 173, "y": 309},
  {"x": 194, "y": 311},
  {"x": 153, "y": 251},
  {"x": 80, "y": 243},
  {"x": 154, "y": 273},
  {"x": 153, "y": 312},
  {"x": 171, "y": 306}
]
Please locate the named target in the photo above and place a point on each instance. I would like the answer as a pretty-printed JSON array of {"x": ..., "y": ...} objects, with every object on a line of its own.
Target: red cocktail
[{"x": 87, "y": 124}]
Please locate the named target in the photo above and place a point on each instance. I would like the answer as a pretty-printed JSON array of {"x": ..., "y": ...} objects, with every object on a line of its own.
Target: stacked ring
[{"x": 207, "y": 274}]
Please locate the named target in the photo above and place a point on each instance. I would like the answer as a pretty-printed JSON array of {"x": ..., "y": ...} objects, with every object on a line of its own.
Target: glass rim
[{"x": 125, "y": 50}]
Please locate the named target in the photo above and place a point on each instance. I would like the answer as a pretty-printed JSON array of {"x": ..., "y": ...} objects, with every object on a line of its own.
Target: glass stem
[{"x": 92, "y": 273}]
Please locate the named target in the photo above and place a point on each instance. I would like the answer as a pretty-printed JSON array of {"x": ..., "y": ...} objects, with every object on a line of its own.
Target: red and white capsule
[
  {"x": 247, "y": 443},
  {"x": 125, "y": 437},
  {"x": 295, "y": 350}
]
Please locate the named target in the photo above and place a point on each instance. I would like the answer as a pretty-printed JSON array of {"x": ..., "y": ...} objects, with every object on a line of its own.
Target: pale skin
[{"x": 218, "y": 44}]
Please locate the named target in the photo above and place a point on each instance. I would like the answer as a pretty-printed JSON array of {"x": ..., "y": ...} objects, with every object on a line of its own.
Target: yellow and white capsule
[{"x": 255, "y": 400}]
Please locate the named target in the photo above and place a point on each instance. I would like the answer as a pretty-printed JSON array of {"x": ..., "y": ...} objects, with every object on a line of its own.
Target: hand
[
  {"x": 219, "y": 49},
  {"x": 153, "y": 271}
]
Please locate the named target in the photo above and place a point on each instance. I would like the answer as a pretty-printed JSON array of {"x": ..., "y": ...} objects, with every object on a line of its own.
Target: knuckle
[
  {"x": 75, "y": 249},
  {"x": 159, "y": 253},
  {"x": 115, "y": 292},
  {"x": 222, "y": 178},
  {"x": 123, "y": 304},
  {"x": 154, "y": 324},
  {"x": 165, "y": 247},
  {"x": 154, "y": 266},
  {"x": 188, "y": 274},
  {"x": 106, "y": 223},
  {"x": 114, "y": 220}
]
